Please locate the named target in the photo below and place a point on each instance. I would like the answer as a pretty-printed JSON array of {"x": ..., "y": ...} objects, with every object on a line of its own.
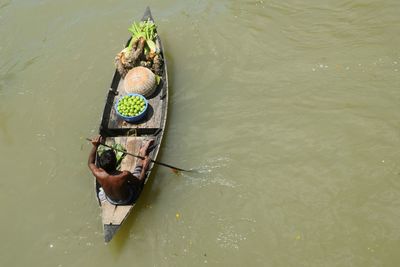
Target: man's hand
[
  {"x": 92, "y": 156},
  {"x": 96, "y": 141}
]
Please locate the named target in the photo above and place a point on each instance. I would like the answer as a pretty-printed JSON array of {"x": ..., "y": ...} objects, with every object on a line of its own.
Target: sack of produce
[{"x": 140, "y": 80}]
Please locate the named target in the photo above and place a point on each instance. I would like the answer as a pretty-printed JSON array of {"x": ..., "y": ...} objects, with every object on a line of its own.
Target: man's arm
[
  {"x": 92, "y": 156},
  {"x": 145, "y": 165},
  {"x": 140, "y": 178}
]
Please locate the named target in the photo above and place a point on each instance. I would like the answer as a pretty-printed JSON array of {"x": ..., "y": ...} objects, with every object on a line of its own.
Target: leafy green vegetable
[
  {"x": 152, "y": 45},
  {"x": 144, "y": 29},
  {"x": 118, "y": 154},
  {"x": 158, "y": 79}
]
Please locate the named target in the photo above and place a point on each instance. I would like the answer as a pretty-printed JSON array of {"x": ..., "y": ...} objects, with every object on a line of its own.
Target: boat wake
[{"x": 210, "y": 173}]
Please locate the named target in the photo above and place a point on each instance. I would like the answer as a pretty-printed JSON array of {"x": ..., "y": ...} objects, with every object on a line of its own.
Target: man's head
[{"x": 108, "y": 161}]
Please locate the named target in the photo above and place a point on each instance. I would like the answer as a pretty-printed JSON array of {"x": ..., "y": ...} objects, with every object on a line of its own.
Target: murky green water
[{"x": 289, "y": 109}]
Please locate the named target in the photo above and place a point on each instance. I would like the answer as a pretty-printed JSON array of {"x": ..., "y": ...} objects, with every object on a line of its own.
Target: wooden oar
[{"x": 174, "y": 169}]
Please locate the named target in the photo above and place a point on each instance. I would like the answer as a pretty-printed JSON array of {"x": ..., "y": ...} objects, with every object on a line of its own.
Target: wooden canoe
[{"x": 131, "y": 136}]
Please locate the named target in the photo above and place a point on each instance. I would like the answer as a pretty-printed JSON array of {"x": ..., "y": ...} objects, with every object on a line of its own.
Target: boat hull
[{"x": 131, "y": 137}]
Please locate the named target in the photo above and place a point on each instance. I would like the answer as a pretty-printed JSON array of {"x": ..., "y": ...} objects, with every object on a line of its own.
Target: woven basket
[{"x": 140, "y": 80}]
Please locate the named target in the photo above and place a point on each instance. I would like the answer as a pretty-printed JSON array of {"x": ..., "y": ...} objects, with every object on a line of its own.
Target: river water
[{"x": 289, "y": 110}]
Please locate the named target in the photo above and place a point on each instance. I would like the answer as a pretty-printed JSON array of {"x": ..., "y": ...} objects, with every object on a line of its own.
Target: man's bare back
[{"x": 118, "y": 185}]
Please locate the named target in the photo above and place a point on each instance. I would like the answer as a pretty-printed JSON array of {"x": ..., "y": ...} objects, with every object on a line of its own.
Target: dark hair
[{"x": 108, "y": 161}]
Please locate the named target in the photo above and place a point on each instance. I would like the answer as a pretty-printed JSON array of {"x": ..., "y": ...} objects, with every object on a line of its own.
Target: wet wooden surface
[
  {"x": 112, "y": 214},
  {"x": 153, "y": 117}
]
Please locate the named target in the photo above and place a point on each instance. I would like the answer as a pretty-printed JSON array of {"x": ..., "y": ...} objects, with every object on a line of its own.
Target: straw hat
[{"x": 140, "y": 80}]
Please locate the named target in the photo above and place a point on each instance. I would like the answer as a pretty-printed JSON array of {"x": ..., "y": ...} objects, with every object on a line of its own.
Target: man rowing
[{"x": 118, "y": 187}]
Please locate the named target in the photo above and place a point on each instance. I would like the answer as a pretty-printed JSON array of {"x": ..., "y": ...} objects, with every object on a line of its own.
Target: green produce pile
[
  {"x": 147, "y": 30},
  {"x": 117, "y": 150},
  {"x": 131, "y": 105},
  {"x": 142, "y": 50}
]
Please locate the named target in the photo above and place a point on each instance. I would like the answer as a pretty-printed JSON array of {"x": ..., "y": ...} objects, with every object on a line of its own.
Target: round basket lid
[{"x": 140, "y": 80}]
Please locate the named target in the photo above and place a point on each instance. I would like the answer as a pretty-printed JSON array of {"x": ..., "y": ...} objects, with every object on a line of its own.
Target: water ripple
[{"x": 208, "y": 174}]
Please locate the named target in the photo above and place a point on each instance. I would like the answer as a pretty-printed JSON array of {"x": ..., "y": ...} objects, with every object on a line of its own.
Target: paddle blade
[{"x": 175, "y": 171}]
